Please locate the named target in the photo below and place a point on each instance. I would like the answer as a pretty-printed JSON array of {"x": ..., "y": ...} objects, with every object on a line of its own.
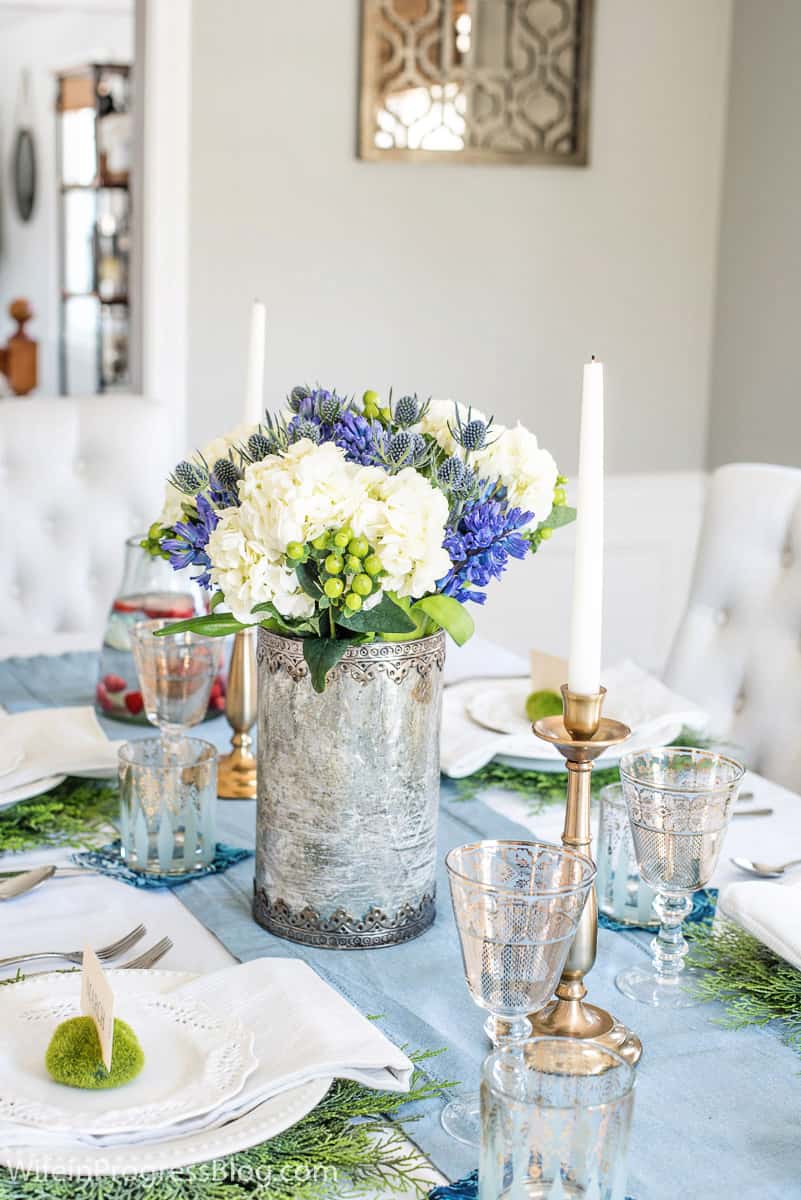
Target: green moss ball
[{"x": 73, "y": 1056}]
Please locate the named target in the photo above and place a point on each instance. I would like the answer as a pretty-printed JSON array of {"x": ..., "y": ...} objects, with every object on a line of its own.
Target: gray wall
[
  {"x": 755, "y": 395},
  {"x": 491, "y": 284}
]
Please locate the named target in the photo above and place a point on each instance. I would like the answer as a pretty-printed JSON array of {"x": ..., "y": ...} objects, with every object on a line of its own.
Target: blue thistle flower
[
  {"x": 328, "y": 405},
  {"x": 305, "y": 427},
  {"x": 470, "y": 434},
  {"x": 361, "y": 439},
  {"x": 450, "y": 472},
  {"x": 259, "y": 445},
  {"x": 480, "y": 545},
  {"x": 187, "y": 546},
  {"x": 189, "y": 478},
  {"x": 226, "y": 475},
  {"x": 399, "y": 448}
]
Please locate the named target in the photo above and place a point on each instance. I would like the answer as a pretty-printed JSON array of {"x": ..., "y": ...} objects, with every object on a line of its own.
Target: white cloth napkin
[
  {"x": 654, "y": 713},
  {"x": 304, "y": 1030},
  {"x": 52, "y": 741},
  {"x": 770, "y": 912}
]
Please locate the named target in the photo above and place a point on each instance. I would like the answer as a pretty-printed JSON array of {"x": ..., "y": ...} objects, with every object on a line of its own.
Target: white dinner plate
[
  {"x": 261, "y": 1123},
  {"x": 28, "y": 790},
  {"x": 195, "y": 1060},
  {"x": 265, "y": 1121}
]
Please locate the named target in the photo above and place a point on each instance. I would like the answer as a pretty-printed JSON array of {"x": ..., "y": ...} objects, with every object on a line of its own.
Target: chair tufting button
[
  {"x": 739, "y": 702},
  {"x": 787, "y": 557},
  {"x": 722, "y": 617}
]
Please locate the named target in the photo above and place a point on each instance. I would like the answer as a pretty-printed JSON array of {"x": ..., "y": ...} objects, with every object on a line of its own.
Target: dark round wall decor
[{"x": 24, "y": 173}]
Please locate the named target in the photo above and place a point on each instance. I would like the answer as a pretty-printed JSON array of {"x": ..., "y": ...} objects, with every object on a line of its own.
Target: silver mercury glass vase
[{"x": 348, "y": 791}]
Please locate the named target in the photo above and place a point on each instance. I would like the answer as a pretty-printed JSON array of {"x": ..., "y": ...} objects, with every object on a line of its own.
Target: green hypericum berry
[
  {"x": 342, "y": 538},
  {"x": 334, "y": 564},
  {"x": 362, "y": 585},
  {"x": 371, "y": 412},
  {"x": 353, "y": 565},
  {"x": 559, "y": 495},
  {"x": 295, "y": 550},
  {"x": 353, "y": 602},
  {"x": 321, "y": 542},
  {"x": 358, "y": 546},
  {"x": 372, "y": 565},
  {"x": 333, "y": 588},
  {"x": 370, "y": 397},
  {"x": 545, "y": 534}
]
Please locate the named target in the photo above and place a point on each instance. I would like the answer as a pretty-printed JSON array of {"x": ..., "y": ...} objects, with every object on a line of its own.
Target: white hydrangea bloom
[
  {"x": 296, "y": 497},
  {"x": 217, "y": 448},
  {"x": 404, "y": 519},
  {"x": 526, "y": 470},
  {"x": 310, "y": 490}
]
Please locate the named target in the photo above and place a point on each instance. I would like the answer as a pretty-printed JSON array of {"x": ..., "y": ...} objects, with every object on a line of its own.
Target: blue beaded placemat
[
  {"x": 463, "y": 1189},
  {"x": 106, "y": 860}
]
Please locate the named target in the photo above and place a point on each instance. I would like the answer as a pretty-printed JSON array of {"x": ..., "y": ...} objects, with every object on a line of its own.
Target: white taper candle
[
  {"x": 584, "y": 663},
  {"x": 254, "y": 395}
]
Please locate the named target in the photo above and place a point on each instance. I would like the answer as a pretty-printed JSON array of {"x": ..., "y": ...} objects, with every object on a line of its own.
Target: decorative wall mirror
[
  {"x": 24, "y": 171},
  {"x": 476, "y": 80}
]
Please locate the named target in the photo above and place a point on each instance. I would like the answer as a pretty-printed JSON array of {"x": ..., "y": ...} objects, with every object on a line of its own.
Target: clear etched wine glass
[
  {"x": 176, "y": 671},
  {"x": 679, "y": 801},
  {"x": 517, "y": 905}
]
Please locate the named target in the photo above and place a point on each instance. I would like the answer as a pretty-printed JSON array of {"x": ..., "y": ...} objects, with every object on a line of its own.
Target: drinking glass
[
  {"x": 622, "y": 894},
  {"x": 679, "y": 802},
  {"x": 517, "y": 905},
  {"x": 555, "y": 1120},
  {"x": 176, "y": 672},
  {"x": 149, "y": 589},
  {"x": 168, "y": 798}
]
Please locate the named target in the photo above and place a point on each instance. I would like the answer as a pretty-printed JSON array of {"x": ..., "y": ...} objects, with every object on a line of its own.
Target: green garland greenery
[
  {"x": 754, "y": 985},
  {"x": 68, "y": 815},
  {"x": 342, "y": 1148},
  {"x": 539, "y": 788}
]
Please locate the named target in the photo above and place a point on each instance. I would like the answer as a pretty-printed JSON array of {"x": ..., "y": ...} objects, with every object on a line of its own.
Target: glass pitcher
[{"x": 150, "y": 589}]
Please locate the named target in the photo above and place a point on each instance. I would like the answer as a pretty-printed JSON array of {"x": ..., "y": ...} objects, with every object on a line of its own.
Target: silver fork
[
  {"x": 148, "y": 958},
  {"x": 105, "y": 953}
]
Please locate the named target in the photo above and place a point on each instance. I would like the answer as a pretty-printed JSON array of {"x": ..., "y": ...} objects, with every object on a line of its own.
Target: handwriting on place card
[{"x": 97, "y": 1002}]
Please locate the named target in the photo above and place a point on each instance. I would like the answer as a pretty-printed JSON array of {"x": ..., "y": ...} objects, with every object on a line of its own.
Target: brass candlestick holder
[
  {"x": 581, "y": 734},
  {"x": 236, "y": 772}
]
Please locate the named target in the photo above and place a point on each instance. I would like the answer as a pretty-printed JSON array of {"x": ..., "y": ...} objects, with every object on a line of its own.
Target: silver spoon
[
  {"x": 764, "y": 870},
  {"x": 17, "y": 885}
]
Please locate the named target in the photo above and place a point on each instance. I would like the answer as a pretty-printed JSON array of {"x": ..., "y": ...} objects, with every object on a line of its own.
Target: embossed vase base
[{"x": 341, "y": 931}]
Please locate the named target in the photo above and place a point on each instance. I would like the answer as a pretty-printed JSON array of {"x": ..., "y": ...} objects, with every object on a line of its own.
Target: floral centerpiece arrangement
[{"x": 342, "y": 520}]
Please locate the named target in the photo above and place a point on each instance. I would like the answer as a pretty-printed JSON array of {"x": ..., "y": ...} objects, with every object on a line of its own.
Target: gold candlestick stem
[
  {"x": 581, "y": 735},
  {"x": 236, "y": 772}
]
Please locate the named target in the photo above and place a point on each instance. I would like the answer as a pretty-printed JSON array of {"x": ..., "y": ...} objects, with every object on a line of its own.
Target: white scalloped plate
[
  {"x": 257, "y": 1126},
  {"x": 194, "y": 1060}
]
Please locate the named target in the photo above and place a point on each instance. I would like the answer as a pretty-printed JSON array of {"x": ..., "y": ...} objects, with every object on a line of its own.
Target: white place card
[{"x": 97, "y": 1002}]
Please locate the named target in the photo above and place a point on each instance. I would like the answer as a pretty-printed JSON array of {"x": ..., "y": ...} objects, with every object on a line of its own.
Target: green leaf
[
  {"x": 214, "y": 625},
  {"x": 386, "y": 617},
  {"x": 448, "y": 614},
  {"x": 321, "y": 655},
  {"x": 217, "y": 599},
  {"x": 560, "y": 514},
  {"x": 308, "y": 580}
]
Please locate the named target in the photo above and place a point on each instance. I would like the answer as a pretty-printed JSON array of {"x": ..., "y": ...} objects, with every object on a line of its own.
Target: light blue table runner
[{"x": 717, "y": 1113}]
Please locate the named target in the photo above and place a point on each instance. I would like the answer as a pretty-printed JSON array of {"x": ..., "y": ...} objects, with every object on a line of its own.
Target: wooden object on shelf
[{"x": 18, "y": 357}]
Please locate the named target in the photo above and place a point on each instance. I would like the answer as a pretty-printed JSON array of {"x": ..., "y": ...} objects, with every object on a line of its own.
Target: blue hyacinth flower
[{"x": 187, "y": 546}]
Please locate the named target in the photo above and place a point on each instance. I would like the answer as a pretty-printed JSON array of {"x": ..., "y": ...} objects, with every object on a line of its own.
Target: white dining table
[{"x": 91, "y": 909}]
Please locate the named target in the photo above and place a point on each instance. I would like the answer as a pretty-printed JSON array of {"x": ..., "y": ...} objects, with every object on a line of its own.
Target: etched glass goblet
[
  {"x": 517, "y": 906},
  {"x": 176, "y": 671},
  {"x": 679, "y": 802}
]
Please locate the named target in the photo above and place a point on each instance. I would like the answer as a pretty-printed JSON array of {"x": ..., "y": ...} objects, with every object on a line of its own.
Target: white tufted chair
[
  {"x": 77, "y": 476},
  {"x": 738, "y": 649}
]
